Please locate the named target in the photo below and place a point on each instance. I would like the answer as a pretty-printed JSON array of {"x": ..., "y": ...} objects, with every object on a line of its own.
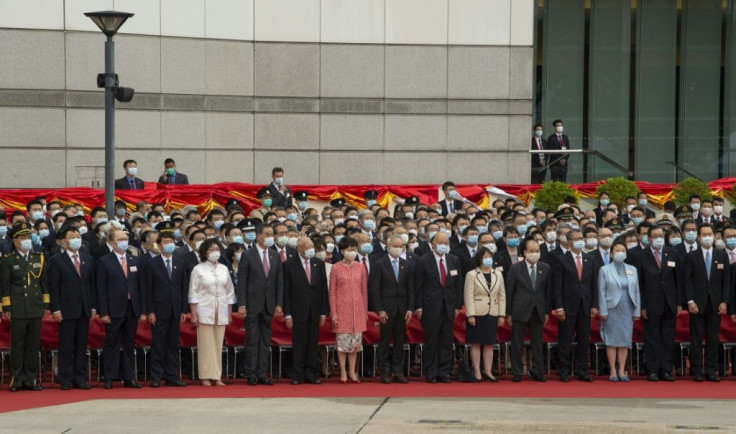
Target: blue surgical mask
[
  {"x": 35, "y": 239},
  {"x": 75, "y": 243},
  {"x": 482, "y": 229},
  {"x": 43, "y": 233},
  {"x": 637, "y": 220},
  {"x": 521, "y": 229},
  {"x": 453, "y": 194},
  {"x": 132, "y": 171},
  {"x": 619, "y": 257},
  {"x": 691, "y": 236},
  {"x": 497, "y": 235},
  {"x": 658, "y": 243},
  {"x": 605, "y": 202},
  {"x": 431, "y": 234},
  {"x": 366, "y": 248},
  {"x": 488, "y": 262},
  {"x": 291, "y": 216},
  {"x": 730, "y": 242},
  {"x": 370, "y": 202},
  {"x": 461, "y": 229},
  {"x": 238, "y": 239},
  {"x": 302, "y": 205},
  {"x": 369, "y": 224},
  {"x": 643, "y": 202},
  {"x": 26, "y": 244},
  {"x": 645, "y": 239},
  {"x": 268, "y": 241},
  {"x": 267, "y": 202},
  {"x": 443, "y": 249},
  {"x": 169, "y": 248},
  {"x": 513, "y": 242},
  {"x": 123, "y": 245},
  {"x": 279, "y": 181},
  {"x": 250, "y": 236},
  {"x": 177, "y": 233},
  {"x": 695, "y": 206},
  {"x": 37, "y": 215},
  {"x": 706, "y": 242},
  {"x": 3, "y": 231},
  {"x": 538, "y": 133},
  {"x": 309, "y": 253},
  {"x": 676, "y": 241},
  {"x": 338, "y": 238},
  {"x": 473, "y": 240},
  {"x": 578, "y": 245}
]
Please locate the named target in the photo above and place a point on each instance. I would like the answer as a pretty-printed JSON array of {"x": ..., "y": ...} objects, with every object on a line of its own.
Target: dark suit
[
  {"x": 290, "y": 252},
  {"x": 559, "y": 162},
  {"x": 119, "y": 298},
  {"x": 661, "y": 293},
  {"x": 707, "y": 292},
  {"x": 306, "y": 302},
  {"x": 457, "y": 205},
  {"x": 528, "y": 304},
  {"x": 396, "y": 298},
  {"x": 576, "y": 296},
  {"x": 538, "y": 161},
  {"x": 423, "y": 249},
  {"x": 278, "y": 198},
  {"x": 124, "y": 184},
  {"x": 179, "y": 179},
  {"x": 260, "y": 294},
  {"x": 544, "y": 251},
  {"x": 438, "y": 303},
  {"x": 166, "y": 297},
  {"x": 74, "y": 295}
]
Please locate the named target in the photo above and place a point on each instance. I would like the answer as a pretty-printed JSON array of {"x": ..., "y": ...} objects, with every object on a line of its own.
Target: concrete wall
[{"x": 334, "y": 91}]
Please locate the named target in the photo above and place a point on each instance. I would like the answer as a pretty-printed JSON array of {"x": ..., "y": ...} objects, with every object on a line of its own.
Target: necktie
[
  {"x": 171, "y": 179},
  {"x": 731, "y": 257},
  {"x": 265, "y": 264},
  {"x": 124, "y": 265},
  {"x": 605, "y": 257},
  {"x": 168, "y": 266},
  {"x": 283, "y": 255},
  {"x": 365, "y": 264},
  {"x": 659, "y": 260},
  {"x": 443, "y": 272},
  {"x": 692, "y": 247},
  {"x": 533, "y": 277},
  {"x": 77, "y": 265},
  {"x": 132, "y": 184},
  {"x": 580, "y": 267},
  {"x": 395, "y": 264},
  {"x": 452, "y": 207},
  {"x": 559, "y": 140},
  {"x": 472, "y": 253},
  {"x": 707, "y": 263},
  {"x": 308, "y": 271}
]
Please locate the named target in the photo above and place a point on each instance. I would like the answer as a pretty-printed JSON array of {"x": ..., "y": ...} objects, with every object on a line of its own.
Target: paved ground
[{"x": 375, "y": 415}]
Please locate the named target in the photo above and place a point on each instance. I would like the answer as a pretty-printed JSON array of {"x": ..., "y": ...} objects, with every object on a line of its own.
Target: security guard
[{"x": 25, "y": 296}]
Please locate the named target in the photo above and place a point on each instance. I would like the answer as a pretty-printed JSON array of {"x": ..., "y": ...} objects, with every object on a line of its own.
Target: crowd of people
[{"x": 506, "y": 265}]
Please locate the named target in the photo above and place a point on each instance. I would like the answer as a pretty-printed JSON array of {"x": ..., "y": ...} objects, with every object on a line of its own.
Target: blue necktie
[
  {"x": 707, "y": 263},
  {"x": 605, "y": 257},
  {"x": 395, "y": 263},
  {"x": 132, "y": 184}
]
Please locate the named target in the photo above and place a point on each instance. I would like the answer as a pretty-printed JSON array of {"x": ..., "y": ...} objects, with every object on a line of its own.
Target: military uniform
[{"x": 25, "y": 295}]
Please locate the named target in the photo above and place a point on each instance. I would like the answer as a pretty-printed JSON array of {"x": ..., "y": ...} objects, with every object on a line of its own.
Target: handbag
[{"x": 464, "y": 373}]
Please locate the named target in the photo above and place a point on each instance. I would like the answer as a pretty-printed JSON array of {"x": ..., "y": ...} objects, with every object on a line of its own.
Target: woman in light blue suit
[{"x": 619, "y": 306}]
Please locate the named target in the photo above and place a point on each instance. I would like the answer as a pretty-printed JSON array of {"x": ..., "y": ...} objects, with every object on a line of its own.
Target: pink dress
[{"x": 349, "y": 301}]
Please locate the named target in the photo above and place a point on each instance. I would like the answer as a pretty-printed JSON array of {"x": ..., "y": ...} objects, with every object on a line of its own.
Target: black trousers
[
  {"x": 537, "y": 175},
  {"x": 659, "y": 341},
  {"x": 437, "y": 351},
  {"x": 25, "y": 343},
  {"x": 305, "y": 346},
  {"x": 165, "y": 349},
  {"x": 73, "y": 335},
  {"x": 394, "y": 328},
  {"x": 120, "y": 335},
  {"x": 257, "y": 342},
  {"x": 706, "y": 325},
  {"x": 579, "y": 326},
  {"x": 518, "y": 330},
  {"x": 558, "y": 173}
]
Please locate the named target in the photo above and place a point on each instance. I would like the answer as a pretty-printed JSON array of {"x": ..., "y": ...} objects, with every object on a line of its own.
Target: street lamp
[{"x": 110, "y": 22}]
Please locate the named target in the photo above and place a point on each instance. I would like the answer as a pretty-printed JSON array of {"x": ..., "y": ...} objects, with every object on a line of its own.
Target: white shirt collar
[{"x": 71, "y": 255}]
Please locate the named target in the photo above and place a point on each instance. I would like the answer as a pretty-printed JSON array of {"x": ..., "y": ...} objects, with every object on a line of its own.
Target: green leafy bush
[
  {"x": 618, "y": 189},
  {"x": 687, "y": 188},
  {"x": 553, "y": 194}
]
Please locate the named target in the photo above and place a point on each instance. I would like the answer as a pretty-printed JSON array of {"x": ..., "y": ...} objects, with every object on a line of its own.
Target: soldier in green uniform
[{"x": 25, "y": 296}]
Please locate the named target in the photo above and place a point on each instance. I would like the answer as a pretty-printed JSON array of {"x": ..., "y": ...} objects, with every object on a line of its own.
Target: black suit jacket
[
  {"x": 458, "y": 204},
  {"x": 71, "y": 293},
  {"x": 305, "y": 298},
  {"x": 385, "y": 293},
  {"x": 431, "y": 295},
  {"x": 536, "y": 162},
  {"x": 124, "y": 184},
  {"x": 290, "y": 252},
  {"x": 697, "y": 285},
  {"x": 555, "y": 144},
  {"x": 256, "y": 291},
  {"x": 423, "y": 249},
  {"x": 280, "y": 199},
  {"x": 113, "y": 287},
  {"x": 656, "y": 284},
  {"x": 544, "y": 251},
  {"x": 569, "y": 290},
  {"x": 179, "y": 179},
  {"x": 165, "y": 296},
  {"x": 521, "y": 298}
]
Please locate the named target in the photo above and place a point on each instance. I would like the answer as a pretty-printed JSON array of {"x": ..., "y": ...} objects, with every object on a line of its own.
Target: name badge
[
  {"x": 671, "y": 264},
  {"x": 720, "y": 266},
  {"x": 629, "y": 272},
  {"x": 133, "y": 269},
  {"x": 453, "y": 272}
]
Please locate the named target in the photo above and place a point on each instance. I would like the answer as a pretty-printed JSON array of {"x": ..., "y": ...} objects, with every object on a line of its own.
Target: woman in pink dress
[{"x": 348, "y": 306}]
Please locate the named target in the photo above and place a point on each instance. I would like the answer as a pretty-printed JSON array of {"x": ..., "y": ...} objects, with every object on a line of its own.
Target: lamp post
[{"x": 110, "y": 22}]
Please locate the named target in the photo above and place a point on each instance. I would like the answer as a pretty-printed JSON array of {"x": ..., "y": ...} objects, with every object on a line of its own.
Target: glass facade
[{"x": 648, "y": 83}]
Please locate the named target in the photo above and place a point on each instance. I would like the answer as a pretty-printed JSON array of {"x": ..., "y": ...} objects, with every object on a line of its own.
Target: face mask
[
  {"x": 267, "y": 202},
  {"x": 101, "y": 220},
  {"x": 132, "y": 171},
  {"x": 707, "y": 211},
  {"x": 482, "y": 229},
  {"x": 720, "y": 245},
  {"x": 291, "y": 216},
  {"x": 250, "y": 236},
  {"x": 330, "y": 247},
  {"x": 366, "y": 248},
  {"x": 35, "y": 239},
  {"x": 591, "y": 243},
  {"x": 279, "y": 181},
  {"x": 218, "y": 224},
  {"x": 490, "y": 246},
  {"x": 631, "y": 245},
  {"x": 339, "y": 238},
  {"x": 120, "y": 212},
  {"x": 83, "y": 230},
  {"x": 213, "y": 256},
  {"x": 43, "y": 233},
  {"x": 169, "y": 248},
  {"x": 521, "y": 229},
  {"x": 575, "y": 226},
  {"x": 471, "y": 216},
  {"x": 497, "y": 235},
  {"x": 350, "y": 256},
  {"x": 591, "y": 220},
  {"x": 293, "y": 241},
  {"x": 605, "y": 202},
  {"x": 578, "y": 245},
  {"x": 563, "y": 239},
  {"x": 395, "y": 251},
  {"x": 532, "y": 258},
  {"x": 281, "y": 219},
  {"x": 3, "y": 230},
  {"x": 138, "y": 232},
  {"x": 321, "y": 255},
  {"x": 353, "y": 217},
  {"x": 282, "y": 240},
  {"x": 37, "y": 215},
  {"x": 658, "y": 243},
  {"x": 268, "y": 241},
  {"x": 488, "y": 262},
  {"x": 177, "y": 234},
  {"x": 513, "y": 242},
  {"x": 606, "y": 242},
  {"x": 370, "y": 202},
  {"x": 691, "y": 236},
  {"x": 643, "y": 202},
  {"x": 637, "y": 220},
  {"x": 559, "y": 129},
  {"x": 238, "y": 239},
  {"x": 26, "y": 245},
  {"x": 431, "y": 234},
  {"x": 629, "y": 207},
  {"x": 123, "y": 245},
  {"x": 538, "y": 133},
  {"x": 369, "y": 224},
  {"x": 676, "y": 241},
  {"x": 461, "y": 229},
  {"x": 695, "y": 206},
  {"x": 309, "y": 253},
  {"x": 197, "y": 245},
  {"x": 619, "y": 257},
  {"x": 730, "y": 242},
  {"x": 443, "y": 249},
  {"x": 453, "y": 194},
  {"x": 302, "y": 205},
  {"x": 645, "y": 240},
  {"x": 551, "y": 237},
  {"x": 706, "y": 241},
  {"x": 75, "y": 243},
  {"x": 238, "y": 256}
]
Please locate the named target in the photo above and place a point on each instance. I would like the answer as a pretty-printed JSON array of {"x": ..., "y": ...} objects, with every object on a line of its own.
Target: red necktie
[
  {"x": 265, "y": 264},
  {"x": 539, "y": 144},
  {"x": 659, "y": 261},
  {"x": 580, "y": 267},
  {"x": 443, "y": 272},
  {"x": 77, "y": 265},
  {"x": 306, "y": 270},
  {"x": 124, "y": 265},
  {"x": 365, "y": 264},
  {"x": 283, "y": 255}
]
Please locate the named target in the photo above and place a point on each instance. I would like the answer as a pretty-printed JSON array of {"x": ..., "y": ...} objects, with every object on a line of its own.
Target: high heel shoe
[
  {"x": 613, "y": 378},
  {"x": 345, "y": 381},
  {"x": 490, "y": 378},
  {"x": 355, "y": 380}
]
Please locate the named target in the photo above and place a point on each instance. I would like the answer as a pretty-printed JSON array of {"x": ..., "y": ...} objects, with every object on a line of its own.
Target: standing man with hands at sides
[
  {"x": 280, "y": 193},
  {"x": 120, "y": 305},
  {"x": 171, "y": 176},
  {"x": 539, "y": 161},
  {"x": 306, "y": 306},
  {"x": 24, "y": 289},
  {"x": 707, "y": 292},
  {"x": 439, "y": 298},
  {"x": 391, "y": 290},
  {"x": 72, "y": 288},
  {"x": 558, "y": 142},
  {"x": 130, "y": 181},
  {"x": 260, "y": 295}
]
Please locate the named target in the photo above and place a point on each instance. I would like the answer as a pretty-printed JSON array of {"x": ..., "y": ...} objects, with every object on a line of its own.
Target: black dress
[{"x": 484, "y": 331}]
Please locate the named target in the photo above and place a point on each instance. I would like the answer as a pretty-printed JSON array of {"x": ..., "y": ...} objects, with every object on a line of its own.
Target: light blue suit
[{"x": 609, "y": 288}]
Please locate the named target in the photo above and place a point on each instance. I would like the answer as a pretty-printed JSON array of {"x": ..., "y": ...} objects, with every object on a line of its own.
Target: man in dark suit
[
  {"x": 73, "y": 301},
  {"x": 439, "y": 297},
  {"x": 260, "y": 295},
  {"x": 467, "y": 250},
  {"x": 660, "y": 285},
  {"x": 281, "y": 246},
  {"x": 558, "y": 142},
  {"x": 451, "y": 204},
  {"x": 539, "y": 161},
  {"x": 120, "y": 305},
  {"x": 129, "y": 181},
  {"x": 306, "y": 307},
  {"x": 391, "y": 295},
  {"x": 706, "y": 213},
  {"x": 707, "y": 292},
  {"x": 171, "y": 176},
  {"x": 165, "y": 285},
  {"x": 576, "y": 300},
  {"x": 528, "y": 302},
  {"x": 280, "y": 193}
]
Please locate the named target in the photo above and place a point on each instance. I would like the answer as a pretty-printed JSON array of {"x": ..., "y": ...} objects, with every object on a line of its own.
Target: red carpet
[{"x": 601, "y": 388}]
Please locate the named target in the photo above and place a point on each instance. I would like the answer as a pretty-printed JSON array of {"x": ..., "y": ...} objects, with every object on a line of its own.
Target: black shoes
[
  {"x": 175, "y": 383},
  {"x": 296, "y": 382},
  {"x": 585, "y": 378},
  {"x": 712, "y": 378},
  {"x": 252, "y": 381},
  {"x": 516, "y": 379},
  {"x": 82, "y": 386},
  {"x": 564, "y": 378},
  {"x": 445, "y": 380},
  {"x": 539, "y": 378},
  {"x": 431, "y": 380},
  {"x": 666, "y": 376},
  {"x": 66, "y": 386},
  {"x": 131, "y": 384},
  {"x": 386, "y": 379},
  {"x": 265, "y": 381},
  {"x": 108, "y": 385},
  {"x": 155, "y": 384},
  {"x": 400, "y": 379},
  {"x": 653, "y": 377}
]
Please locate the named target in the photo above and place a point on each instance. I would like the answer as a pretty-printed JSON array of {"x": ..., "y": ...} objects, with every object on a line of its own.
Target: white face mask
[
  {"x": 606, "y": 242},
  {"x": 490, "y": 246},
  {"x": 395, "y": 252},
  {"x": 350, "y": 255},
  {"x": 718, "y": 209},
  {"x": 213, "y": 256},
  {"x": 559, "y": 129},
  {"x": 532, "y": 258}
]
